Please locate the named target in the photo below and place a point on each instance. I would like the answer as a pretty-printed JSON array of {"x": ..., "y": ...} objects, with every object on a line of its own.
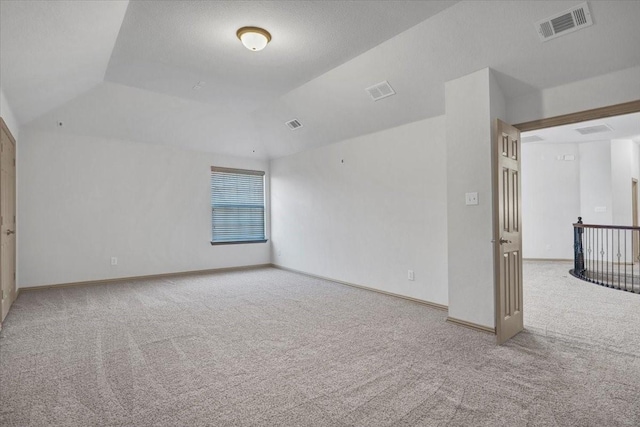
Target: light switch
[{"x": 471, "y": 199}]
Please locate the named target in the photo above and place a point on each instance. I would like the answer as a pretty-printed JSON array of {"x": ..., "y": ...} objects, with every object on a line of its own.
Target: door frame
[
  {"x": 581, "y": 116},
  {"x": 565, "y": 119}
]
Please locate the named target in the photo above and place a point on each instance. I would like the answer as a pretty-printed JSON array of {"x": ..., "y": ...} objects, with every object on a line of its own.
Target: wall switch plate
[
  {"x": 114, "y": 260},
  {"x": 471, "y": 199},
  {"x": 411, "y": 275}
]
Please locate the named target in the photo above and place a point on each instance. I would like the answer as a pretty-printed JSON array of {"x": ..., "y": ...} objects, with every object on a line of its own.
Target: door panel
[
  {"x": 7, "y": 220},
  {"x": 508, "y": 242}
]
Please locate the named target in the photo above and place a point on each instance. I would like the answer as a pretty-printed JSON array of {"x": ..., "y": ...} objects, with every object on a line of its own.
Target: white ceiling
[
  {"x": 308, "y": 39},
  {"x": 53, "y": 51},
  {"x": 623, "y": 127},
  {"x": 322, "y": 57}
]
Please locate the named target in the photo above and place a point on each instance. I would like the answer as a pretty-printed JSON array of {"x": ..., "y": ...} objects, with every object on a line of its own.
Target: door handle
[
  {"x": 10, "y": 232},
  {"x": 503, "y": 241}
]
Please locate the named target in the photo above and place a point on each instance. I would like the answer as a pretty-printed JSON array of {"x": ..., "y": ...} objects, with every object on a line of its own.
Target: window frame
[{"x": 264, "y": 204}]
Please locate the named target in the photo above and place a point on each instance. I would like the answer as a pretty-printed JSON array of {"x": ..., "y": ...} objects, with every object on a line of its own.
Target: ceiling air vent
[
  {"x": 532, "y": 138},
  {"x": 574, "y": 19},
  {"x": 588, "y": 130},
  {"x": 294, "y": 124},
  {"x": 380, "y": 90}
]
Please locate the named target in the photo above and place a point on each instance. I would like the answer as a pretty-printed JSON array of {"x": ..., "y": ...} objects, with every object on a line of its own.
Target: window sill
[{"x": 239, "y": 242}]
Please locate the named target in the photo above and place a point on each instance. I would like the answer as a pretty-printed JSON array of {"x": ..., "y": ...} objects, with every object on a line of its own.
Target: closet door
[{"x": 7, "y": 220}]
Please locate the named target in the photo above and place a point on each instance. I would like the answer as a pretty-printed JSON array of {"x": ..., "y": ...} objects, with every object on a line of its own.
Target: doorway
[{"x": 562, "y": 160}]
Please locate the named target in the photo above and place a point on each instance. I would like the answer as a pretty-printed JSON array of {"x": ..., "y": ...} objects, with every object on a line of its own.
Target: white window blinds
[{"x": 237, "y": 206}]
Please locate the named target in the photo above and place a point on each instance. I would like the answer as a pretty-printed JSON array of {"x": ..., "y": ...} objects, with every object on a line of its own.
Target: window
[{"x": 237, "y": 206}]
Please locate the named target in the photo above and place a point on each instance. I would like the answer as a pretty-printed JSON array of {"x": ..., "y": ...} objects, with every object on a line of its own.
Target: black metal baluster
[
  {"x": 594, "y": 260},
  {"x": 600, "y": 252},
  {"x": 602, "y": 266},
  {"x": 633, "y": 261},
  {"x": 625, "y": 260},
  {"x": 606, "y": 279},
  {"x": 618, "y": 255},
  {"x": 597, "y": 254},
  {"x": 613, "y": 263},
  {"x": 591, "y": 252},
  {"x": 609, "y": 263},
  {"x": 588, "y": 270}
]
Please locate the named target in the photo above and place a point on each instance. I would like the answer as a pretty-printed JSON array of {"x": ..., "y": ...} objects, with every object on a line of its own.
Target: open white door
[{"x": 507, "y": 238}]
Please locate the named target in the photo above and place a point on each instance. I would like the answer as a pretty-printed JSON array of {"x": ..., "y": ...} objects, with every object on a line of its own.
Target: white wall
[
  {"x": 7, "y": 114},
  {"x": 596, "y": 205},
  {"x": 145, "y": 205},
  {"x": 624, "y": 168},
  {"x": 473, "y": 102},
  {"x": 366, "y": 210},
  {"x": 635, "y": 160},
  {"x": 83, "y": 200},
  {"x": 635, "y": 168},
  {"x": 550, "y": 199},
  {"x": 597, "y": 187},
  {"x": 609, "y": 89}
]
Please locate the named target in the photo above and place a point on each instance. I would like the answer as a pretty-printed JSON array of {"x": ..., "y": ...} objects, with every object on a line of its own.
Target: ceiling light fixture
[{"x": 254, "y": 38}]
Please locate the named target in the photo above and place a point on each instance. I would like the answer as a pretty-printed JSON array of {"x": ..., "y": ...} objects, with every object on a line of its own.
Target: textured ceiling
[
  {"x": 169, "y": 46},
  {"x": 53, "y": 51},
  {"x": 462, "y": 39},
  {"x": 322, "y": 57}
]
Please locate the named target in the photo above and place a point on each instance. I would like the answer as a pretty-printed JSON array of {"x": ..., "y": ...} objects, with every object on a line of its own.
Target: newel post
[{"x": 578, "y": 252}]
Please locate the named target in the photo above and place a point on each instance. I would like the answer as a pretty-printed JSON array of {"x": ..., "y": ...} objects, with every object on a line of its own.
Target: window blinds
[{"x": 237, "y": 205}]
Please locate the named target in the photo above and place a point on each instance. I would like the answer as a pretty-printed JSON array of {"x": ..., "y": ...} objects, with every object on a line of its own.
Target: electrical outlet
[
  {"x": 471, "y": 199},
  {"x": 411, "y": 275},
  {"x": 114, "y": 260}
]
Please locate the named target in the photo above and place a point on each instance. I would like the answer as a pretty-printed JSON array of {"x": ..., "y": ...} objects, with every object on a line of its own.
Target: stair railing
[{"x": 608, "y": 255}]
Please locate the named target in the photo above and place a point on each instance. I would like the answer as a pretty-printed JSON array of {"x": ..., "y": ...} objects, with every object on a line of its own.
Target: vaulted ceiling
[{"x": 127, "y": 69}]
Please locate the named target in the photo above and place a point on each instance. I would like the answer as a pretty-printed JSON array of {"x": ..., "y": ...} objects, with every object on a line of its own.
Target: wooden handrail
[{"x": 610, "y": 227}]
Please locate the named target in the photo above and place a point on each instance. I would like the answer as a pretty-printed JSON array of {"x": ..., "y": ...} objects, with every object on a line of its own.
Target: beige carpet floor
[{"x": 272, "y": 348}]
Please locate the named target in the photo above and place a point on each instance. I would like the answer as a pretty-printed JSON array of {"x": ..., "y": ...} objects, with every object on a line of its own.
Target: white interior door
[
  {"x": 7, "y": 220},
  {"x": 508, "y": 238}
]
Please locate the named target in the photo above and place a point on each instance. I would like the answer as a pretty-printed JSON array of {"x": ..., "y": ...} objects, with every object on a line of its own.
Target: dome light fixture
[{"x": 254, "y": 38}]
